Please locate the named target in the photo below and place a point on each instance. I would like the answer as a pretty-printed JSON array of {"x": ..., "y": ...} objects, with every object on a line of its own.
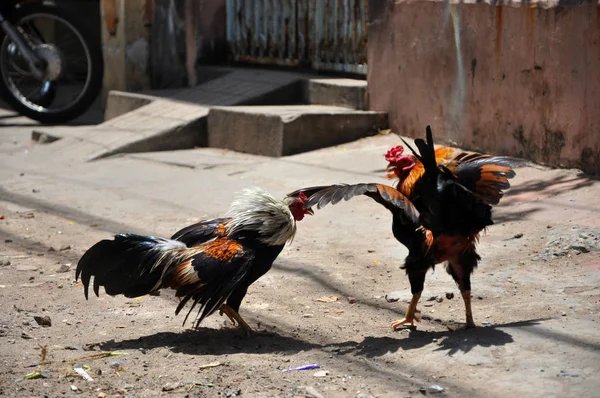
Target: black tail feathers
[{"x": 131, "y": 265}]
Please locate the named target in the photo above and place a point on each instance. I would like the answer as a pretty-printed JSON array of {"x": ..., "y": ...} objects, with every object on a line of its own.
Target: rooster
[
  {"x": 441, "y": 203},
  {"x": 212, "y": 263}
]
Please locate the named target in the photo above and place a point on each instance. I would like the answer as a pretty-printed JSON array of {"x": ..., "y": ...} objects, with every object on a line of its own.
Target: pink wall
[{"x": 507, "y": 79}]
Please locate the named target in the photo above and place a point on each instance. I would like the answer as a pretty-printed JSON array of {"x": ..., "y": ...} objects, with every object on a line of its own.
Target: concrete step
[
  {"x": 287, "y": 130},
  {"x": 178, "y": 119}
]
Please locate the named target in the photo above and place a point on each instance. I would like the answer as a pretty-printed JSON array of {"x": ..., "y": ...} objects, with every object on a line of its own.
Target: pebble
[
  {"x": 307, "y": 315},
  {"x": 321, "y": 373},
  {"x": 51, "y": 249},
  {"x": 64, "y": 248},
  {"x": 74, "y": 387},
  {"x": 43, "y": 320},
  {"x": 564, "y": 373},
  {"x": 26, "y": 336},
  {"x": 351, "y": 300},
  {"x": 449, "y": 295},
  {"x": 392, "y": 297},
  {"x": 564, "y": 313},
  {"x": 234, "y": 393},
  {"x": 310, "y": 392},
  {"x": 64, "y": 268},
  {"x": 432, "y": 298},
  {"x": 171, "y": 386},
  {"x": 4, "y": 262},
  {"x": 434, "y": 388},
  {"x": 439, "y": 299}
]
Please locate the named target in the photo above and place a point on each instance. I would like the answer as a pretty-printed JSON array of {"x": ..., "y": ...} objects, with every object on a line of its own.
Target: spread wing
[
  {"x": 201, "y": 232},
  {"x": 485, "y": 175},
  {"x": 385, "y": 195}
]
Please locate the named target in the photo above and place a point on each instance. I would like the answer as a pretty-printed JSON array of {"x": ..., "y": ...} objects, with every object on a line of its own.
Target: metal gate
[{"x": 329, "y": 35}]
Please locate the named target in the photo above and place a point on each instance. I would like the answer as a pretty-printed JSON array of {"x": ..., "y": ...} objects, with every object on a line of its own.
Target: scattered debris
[
  {"x": 516, "y": 236},
  {"x": 43, "y": 320},
  {"x": 449, "y": 295},
  {"x": 210, "y": 365},
  {"x": 321, "y": 373},
  {"x": 303, "y": 367},
  {"x": 327, "y": 299},
  {"x": 38, "y": 374},
  {"x": 81, "y": 371},
  {"x": 310, "y": 392}
]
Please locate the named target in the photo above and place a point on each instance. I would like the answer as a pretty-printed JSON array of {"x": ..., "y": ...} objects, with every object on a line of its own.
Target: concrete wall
[{"x": 505, "y": 79}]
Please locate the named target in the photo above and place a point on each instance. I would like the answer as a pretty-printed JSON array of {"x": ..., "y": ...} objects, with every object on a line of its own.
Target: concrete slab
[
  {"x": 287, "y": 130},
  {"x": 350, "y": 93}
]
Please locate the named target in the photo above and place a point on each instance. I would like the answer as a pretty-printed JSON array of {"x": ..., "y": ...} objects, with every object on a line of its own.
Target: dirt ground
[{"x": 536, "y": 298}]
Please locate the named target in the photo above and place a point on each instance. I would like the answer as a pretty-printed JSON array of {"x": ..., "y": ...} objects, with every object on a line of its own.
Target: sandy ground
[{"x": 536, "y": 294}]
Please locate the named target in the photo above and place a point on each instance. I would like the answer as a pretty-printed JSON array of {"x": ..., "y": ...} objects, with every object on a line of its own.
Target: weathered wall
[{"x": 513, "y": 80}]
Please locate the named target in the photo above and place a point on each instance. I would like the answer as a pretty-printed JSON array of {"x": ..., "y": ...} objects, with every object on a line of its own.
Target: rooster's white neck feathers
[{"x": 255, "y": 210}]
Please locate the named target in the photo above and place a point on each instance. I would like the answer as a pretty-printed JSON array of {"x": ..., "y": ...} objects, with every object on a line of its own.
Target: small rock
[
  {"x": 310, "y": 392},
  {"x": 51, "y": 249},
  {"x": 115, "y": 364},
  {"x": 307, "y": 315},
  {"x": 101, "y": 395},
  {"x": 234, "y": 393},
  {"x": 45, "y": 374},
  {"x": 4, "y": 262},
  {"x": 24, "y": 267},
  {"x": 7, "y": 240},
  {"x": 564, "y": 313},
  {"x": 43, "y": 320},
  {"x": 172, "y": 386},
  {"x": 38, "y": 191},
  {"x": 564, "y": 373},
  {"x": 434, "y": 388},
  {"x": 392, "y": 297},
  {"x": 64, "y": 268},
  {"x": 26, "y": 336},
  {"x": 321, "y": 373},
  {"x": 64, "y": 248},
  {"x": 449, "y": 295},
  {"x": 74, "y": 387},
  {"x": 439, "y": 299},
  {"x": 432, "y": 298},
  {"x": 351, "y": 300}
]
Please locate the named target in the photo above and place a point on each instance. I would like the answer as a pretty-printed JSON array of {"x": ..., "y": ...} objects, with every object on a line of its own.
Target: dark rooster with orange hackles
[
  {"x": 211, "y": 263},
  {"x": 440, "y": 205}
]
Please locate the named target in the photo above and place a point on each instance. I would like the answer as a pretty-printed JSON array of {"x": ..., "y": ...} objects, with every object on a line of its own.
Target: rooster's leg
[
  {"x": 410, "y": 317},
  {"x": 235, "y": 317},
  {"x": 466, "y": 294},
  {"x": 460, "y": 269}
]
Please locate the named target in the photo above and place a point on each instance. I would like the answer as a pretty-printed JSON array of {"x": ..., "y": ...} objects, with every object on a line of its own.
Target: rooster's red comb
[{"x": 394, "y": 155}]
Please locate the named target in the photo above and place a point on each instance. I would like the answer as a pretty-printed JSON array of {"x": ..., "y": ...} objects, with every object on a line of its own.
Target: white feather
[{"x": 255, "y": 210}]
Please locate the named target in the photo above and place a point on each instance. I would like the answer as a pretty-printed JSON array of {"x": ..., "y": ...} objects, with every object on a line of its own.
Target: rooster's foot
[
  {"x": 236, "y": 319},
  {"x": 409, "y": 319}
]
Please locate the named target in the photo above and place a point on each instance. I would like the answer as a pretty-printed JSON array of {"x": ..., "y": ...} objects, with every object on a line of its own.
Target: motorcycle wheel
[{"x": 74, "y": 69}]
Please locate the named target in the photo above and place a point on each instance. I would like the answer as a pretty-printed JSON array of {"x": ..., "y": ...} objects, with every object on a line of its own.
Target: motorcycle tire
[{"x": 96, "y": 67}]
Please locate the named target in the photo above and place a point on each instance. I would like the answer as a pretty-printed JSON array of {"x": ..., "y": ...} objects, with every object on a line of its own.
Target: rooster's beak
[{"x": 309, "y": 212}]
